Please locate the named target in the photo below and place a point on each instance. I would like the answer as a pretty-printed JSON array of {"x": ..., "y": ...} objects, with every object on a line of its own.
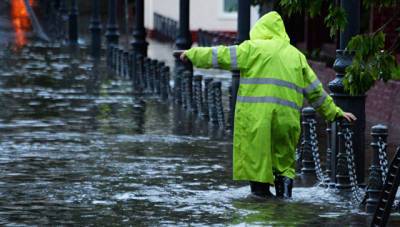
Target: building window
[{"x": 230, "y": 6}]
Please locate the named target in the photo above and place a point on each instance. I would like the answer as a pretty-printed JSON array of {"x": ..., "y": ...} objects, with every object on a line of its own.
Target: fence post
[
  {"x": 342, "y": 170},
  {"x": 187, "y": 98},
  {"x": 329, "y": 157},
  {"x": 308, "y": 114},
  {"x": 212, "y": 110},
  {"x": 218, "y": 104},
  {"x": 164, "y": 86},
  {"x": 138, "y": 76},
  {"x": 207, "y": 87},
  {"x": 375, "y": 184},
  {"x": 125, "y": 68},
  {"x": 198, "y": 94}
]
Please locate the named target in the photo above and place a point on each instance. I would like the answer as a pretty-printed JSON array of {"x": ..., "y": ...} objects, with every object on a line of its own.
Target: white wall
[{"x": 205, "y": 14}]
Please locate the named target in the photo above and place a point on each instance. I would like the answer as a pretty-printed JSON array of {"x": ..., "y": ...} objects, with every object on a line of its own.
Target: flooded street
[{"x": 78, "y": 146}]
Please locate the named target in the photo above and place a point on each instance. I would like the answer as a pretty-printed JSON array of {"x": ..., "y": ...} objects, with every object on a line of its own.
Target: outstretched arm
[{"x": 222, "y": 57}]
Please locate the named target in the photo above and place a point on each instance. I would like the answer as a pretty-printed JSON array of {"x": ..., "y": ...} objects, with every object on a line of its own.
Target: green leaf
[{"x": 335, "y": 20}]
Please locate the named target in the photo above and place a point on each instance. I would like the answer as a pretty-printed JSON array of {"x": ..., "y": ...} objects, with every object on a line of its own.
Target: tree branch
[{"x": 391, "y": 19}]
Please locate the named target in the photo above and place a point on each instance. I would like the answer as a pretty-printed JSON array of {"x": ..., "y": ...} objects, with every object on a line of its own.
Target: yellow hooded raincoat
[{"x": 275, "y": 78}]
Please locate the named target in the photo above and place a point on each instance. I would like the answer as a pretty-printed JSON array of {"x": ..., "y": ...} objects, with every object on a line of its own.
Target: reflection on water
[
  {"x": 78, "y": 148},
  {"x": 20, "y": 21}
]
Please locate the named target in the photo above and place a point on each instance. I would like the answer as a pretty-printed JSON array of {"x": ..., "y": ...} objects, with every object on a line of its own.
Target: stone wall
[{"x": 382, "y": 105}]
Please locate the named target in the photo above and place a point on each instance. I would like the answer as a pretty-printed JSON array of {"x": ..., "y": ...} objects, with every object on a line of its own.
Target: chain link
[
  {"x": 356, "y": 191},
  {"x": 315, "y": 150},
  {"x": 383, "y": 162}
]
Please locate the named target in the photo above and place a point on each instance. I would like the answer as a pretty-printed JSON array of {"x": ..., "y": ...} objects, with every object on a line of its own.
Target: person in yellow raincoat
[{"x": 275, "y": 78}]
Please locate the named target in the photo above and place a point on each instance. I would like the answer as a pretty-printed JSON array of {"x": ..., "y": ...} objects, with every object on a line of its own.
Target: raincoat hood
[{"x": 270, "y": 26}]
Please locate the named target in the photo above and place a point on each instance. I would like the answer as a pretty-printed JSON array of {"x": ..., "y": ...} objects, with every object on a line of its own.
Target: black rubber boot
[
  {"x": 279, "y": 186},
  {"x": 288, "y": 187},
  {"x": 260, "y": 190}
]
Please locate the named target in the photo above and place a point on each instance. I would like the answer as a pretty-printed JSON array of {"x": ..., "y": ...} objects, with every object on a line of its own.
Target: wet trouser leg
[{"x": 260, "y": 189}]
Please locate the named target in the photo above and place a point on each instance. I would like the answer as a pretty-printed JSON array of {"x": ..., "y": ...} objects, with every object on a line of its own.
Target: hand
[
  {"x": 183, "y": 57},
  {"x": 349, "y": 116}
]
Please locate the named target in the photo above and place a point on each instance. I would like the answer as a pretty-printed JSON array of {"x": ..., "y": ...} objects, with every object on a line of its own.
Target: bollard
[
  {"x": 117, "y": 60},
  {"x": 375, "y": 184},
  {"x": 108, "y": 57},
  {"x": 188, "y": 81},
  {"x": 328, "y": 170},
  {"x": 116, "y": 53},
  {"x": 184, "y": 93},
  {"x": 178, "y": 88},
  {"x": 120, "y": 62},
  {"x": 139, "y": 74},
  {"x": 115, "y": 56},
  {"x": 154, "y": 66},
  {"x": 207, "y": 87},
  {"x": 212, "y": 110},
  {"x": 125, "y": 64},
  {"x": 132, "y": 66},
  {"x": 218, "y": 104},
  {"x": 308, "y": 166},
  {"x": 229, "y": 123},
  {"x": 164, "y": 84},
  {"x": 147, "y": 72},
  {"x": 197, "y": 94},
  {"x": 342, "y": 170},
  {"x": 159, "y": 79}
]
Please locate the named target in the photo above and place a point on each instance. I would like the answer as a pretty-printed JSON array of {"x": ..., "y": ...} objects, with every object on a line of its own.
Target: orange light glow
[{"x": 20, "y": 21}]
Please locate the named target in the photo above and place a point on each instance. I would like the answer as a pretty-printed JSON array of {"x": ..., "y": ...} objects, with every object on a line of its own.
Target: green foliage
[
  {"x": 396, "y": 73},
  {"x": 336, "y": 19},
  {"x": 292, "y": 6},
  {"x": 371, "y": 61}
]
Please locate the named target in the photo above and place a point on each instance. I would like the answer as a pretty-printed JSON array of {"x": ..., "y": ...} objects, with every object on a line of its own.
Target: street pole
[
  {"x": 243, "y": 34},
  {"x": 73, "y": 23},
  {"x": 349, "y": 103},
  {"x": 112, "y": 33},
  {"x": 139, "y": 44},
  {"x": 183, "y": 42},
  {"x": 95, "y": 28}
]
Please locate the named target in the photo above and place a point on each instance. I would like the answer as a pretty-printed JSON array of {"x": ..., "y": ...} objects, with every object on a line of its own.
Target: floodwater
[{"x": 79, "y": 147}]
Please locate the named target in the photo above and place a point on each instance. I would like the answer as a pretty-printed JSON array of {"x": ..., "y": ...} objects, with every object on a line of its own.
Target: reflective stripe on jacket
[{"x": 275, "y": 79}]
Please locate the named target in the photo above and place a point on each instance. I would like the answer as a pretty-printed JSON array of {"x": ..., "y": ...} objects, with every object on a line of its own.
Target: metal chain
[
  {"x": 356, "y": 191},
  {"x": 315, "y": 150},
  {"x": 383, "y": 162}
]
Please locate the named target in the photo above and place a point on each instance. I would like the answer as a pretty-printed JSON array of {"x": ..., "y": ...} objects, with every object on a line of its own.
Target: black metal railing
[
  {"x": 147, "y": 75},
  {"x": 212, "y": 38},
  {"x": 165, "y": 29}
]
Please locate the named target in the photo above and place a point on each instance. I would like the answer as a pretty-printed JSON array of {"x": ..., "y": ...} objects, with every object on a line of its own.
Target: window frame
[{"x": 222, "y": 14}]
